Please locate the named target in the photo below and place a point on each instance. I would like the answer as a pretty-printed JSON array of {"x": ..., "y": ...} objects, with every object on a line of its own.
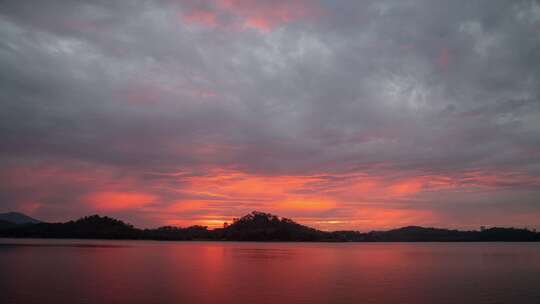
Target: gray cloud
[{"x": 417, "y": 87}]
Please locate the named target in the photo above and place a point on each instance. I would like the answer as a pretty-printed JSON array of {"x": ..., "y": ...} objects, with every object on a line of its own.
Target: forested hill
[{"x": 256, "y": 226}]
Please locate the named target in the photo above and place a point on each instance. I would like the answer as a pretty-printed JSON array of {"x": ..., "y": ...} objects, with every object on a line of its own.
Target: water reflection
[{"x": 40, "y": 271}]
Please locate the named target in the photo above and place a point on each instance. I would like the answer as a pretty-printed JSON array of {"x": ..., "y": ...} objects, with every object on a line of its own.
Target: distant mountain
[
  {"x": 420, "y": 234},
  {"x": 95, "y": 226},
  {"x": 18, "y": 218},
  {"x": 6, "y": 225},
  {"x": 256, "y": 226}
]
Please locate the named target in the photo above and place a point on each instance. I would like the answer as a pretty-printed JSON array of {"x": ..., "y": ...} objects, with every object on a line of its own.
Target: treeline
[{"x": 256, "y": 226}]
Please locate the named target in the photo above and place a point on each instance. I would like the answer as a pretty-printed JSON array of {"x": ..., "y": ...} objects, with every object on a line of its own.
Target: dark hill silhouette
[
  {"x": 179, "y": 234},
  {"x": 420, "y": 234},
  {"x": 256, "y": 226},
  {"x": 508, "y": 234},
  {"x": 260, "y": 226},
  {"x": 6, "y": 225},
  {"x": 18, "y": 218},
  {"x": 95, "y": 226}
]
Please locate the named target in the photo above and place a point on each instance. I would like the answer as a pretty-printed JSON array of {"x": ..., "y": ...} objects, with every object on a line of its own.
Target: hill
[
  {"x": 6, "y": 225},
  {"x": 260, "y": 226},
  {"x": 95, "y": 226},
  {"x": 422, "y": 234},
  {"x": 256, "y": 226},
  {"x": 18, "y": 218}
]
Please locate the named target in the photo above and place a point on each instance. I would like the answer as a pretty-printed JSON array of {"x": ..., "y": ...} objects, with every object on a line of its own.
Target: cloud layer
[{"x": 341, "y": 114}]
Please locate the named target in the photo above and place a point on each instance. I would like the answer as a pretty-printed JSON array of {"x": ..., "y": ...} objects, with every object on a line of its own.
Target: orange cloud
[
  {"x": 325, "y": 200},
  {"x": 114, "y": 201},
  {"x": 306, "y": 204},
  {"x": 384, "y": 218},
  {"x": 235, "y": 184},
  {"x": 299, "y": 195},
  {"x": 373, "y": 218},
  {"x": 406, "y": 187},
  {"x": 186, "y": 205}
]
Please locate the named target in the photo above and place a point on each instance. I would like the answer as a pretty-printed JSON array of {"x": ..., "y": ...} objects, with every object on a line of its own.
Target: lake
[{"x": 93, "y": 271}]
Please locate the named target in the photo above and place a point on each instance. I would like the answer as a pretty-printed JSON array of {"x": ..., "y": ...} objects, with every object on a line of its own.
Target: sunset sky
[{"x": 339, "y": 114}]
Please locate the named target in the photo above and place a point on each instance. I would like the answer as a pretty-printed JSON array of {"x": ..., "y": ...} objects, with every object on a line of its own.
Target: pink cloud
[
  {"x": 201, "y": 16},
  {"x": 261, "y": 15}
]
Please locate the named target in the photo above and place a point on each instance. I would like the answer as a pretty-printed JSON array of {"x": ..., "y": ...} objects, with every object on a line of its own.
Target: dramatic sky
[{"x": 340, "y": 114}]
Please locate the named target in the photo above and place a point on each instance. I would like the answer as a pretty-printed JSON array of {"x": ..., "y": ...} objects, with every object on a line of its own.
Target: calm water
[{"x": 78, "y": 271}]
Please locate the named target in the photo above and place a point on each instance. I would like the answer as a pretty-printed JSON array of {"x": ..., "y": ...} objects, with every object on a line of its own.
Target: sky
[{"x": 339, "y": 114}]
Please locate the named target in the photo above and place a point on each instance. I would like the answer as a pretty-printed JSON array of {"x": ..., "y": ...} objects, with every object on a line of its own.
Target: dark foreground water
[{"x": 88, "y": 271}]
